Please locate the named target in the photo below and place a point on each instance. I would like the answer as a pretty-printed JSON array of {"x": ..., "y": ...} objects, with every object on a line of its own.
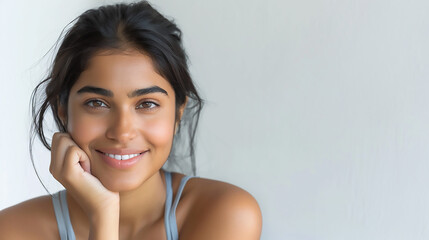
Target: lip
[
  {"x": 119, "y": 151},
  {"x": 121, "y": 164}
]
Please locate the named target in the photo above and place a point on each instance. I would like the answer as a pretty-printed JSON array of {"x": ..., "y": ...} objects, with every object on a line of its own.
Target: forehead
[{"x": 121, "y": 71}]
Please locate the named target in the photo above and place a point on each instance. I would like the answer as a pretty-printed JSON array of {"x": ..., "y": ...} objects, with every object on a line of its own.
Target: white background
[{"x": 319, "y": 108}]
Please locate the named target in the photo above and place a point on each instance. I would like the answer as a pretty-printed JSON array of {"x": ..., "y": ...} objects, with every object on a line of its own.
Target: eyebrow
[
  {"x": 135, "y": 93},
  {"x": 148, "y": 90}
]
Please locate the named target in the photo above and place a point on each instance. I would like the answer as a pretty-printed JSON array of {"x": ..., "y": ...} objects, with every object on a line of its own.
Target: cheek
[
  {"x": 159, "y": 132},
  {"x": 83, "y": 129}
]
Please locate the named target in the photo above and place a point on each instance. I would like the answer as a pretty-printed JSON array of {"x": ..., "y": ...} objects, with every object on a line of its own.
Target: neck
[{"x": 145, "y": 204}]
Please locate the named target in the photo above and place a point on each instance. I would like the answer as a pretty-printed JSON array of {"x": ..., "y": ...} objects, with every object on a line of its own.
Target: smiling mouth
[{"x": 121, "y": 157}]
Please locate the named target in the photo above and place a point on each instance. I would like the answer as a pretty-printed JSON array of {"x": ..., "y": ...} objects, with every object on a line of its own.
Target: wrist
[
  {"x": 107, "y": 208},
  {"x": 105, "y": 225},
  {"x": 104, "y": 215}
]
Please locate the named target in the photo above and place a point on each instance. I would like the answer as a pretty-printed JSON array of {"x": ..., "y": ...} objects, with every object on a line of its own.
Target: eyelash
[
  {"x": 92, "y": 101},
  {"x": 154, "y": 105},
  {"x": 99, "y": 102}
]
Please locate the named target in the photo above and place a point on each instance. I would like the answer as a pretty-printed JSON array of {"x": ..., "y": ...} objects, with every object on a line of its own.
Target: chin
[{"x": 121, "y": 185}]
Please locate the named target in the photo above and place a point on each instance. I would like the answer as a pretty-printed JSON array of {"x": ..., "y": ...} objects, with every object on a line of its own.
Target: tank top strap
[
  {"x": 61, "y": 210},
  {"x": 65, "y": 227},
  {"x": 170, "y": 206}
]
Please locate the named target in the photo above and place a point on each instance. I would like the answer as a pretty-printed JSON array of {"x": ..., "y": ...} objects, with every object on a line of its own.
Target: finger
[
  {"x": 71, "y": 164},
  {"x": 58, "y": 148},
  {"x": 84, "y": 162},
  {"x": 82, "y": 156}
]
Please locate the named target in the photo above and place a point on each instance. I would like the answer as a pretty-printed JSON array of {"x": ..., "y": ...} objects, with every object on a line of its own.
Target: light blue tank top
[{"x": 66, "y": 230}]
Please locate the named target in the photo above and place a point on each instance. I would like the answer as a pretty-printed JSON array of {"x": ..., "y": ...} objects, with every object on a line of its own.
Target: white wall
[
  {"x": 319, "y": 108},
  {"x": 28, "y": 30}
]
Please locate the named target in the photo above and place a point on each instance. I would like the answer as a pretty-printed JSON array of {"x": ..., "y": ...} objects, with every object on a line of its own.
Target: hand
[{"x": 70, "y": 165}]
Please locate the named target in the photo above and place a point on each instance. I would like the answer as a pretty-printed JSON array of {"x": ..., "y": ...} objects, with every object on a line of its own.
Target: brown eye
[
  {"x": 147, "y": 105},
  {"x": 96, "y": 104}
]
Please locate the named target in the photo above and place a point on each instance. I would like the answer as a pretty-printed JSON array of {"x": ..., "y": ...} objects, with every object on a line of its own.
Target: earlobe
[
  {"x": 182, "y": 108},
  {"x": 176, "y": 128}
]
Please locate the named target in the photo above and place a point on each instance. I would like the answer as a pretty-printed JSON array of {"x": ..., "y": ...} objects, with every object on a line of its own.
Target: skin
[{"x": 109, "y": 203}]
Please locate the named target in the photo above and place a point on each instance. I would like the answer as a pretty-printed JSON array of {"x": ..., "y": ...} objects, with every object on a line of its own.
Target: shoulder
[
  {"x": 32, "y": 219},
  {"x": 221, "y": 210}
]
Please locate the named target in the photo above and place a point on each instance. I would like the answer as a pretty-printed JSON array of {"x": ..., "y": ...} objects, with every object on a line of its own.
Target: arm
[
  {"x": 105, "y": 226},
  {"x": 31, "y": 219},
  {"x": 35, "y": 219},
  {"x": 70, "y": 165}
]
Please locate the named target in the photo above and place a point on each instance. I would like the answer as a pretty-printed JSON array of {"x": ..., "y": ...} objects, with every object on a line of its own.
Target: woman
[{"x": 120, "y": 92}]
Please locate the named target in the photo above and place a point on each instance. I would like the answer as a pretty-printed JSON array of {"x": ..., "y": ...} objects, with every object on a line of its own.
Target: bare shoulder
[
  {"x": 31, "y": 219},
  {"x": 221, "y": 211}
]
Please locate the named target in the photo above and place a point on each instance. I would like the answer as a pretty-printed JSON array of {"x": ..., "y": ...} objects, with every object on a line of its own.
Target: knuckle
[
  {"x": 61, "y": 140},
  {"x": 71, "y": 150},
  {"x": 56, "y": 136}
]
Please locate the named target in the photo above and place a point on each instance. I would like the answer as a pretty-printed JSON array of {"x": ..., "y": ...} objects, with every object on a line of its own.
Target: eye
[
  {"x": 149, "y": 105},
  {"x": 95, "y": 103}
]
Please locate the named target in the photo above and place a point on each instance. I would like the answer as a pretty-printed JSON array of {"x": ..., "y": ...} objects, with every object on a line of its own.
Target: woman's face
[{"x": 120, "y": 105}]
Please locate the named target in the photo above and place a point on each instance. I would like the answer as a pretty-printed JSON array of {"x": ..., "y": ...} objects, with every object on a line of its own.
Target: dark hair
[{"x": 121, "y": 27}]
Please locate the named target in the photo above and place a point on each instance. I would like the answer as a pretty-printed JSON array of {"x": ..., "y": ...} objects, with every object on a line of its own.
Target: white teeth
[{"x": 121, "y": 157}]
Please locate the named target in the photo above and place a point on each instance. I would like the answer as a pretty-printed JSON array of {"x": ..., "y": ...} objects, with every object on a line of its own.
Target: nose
[{"x": 122, "y": 126}]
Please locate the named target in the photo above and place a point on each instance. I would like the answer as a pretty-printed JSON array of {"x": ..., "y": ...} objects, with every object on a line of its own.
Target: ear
[
  {"x": 62, "y": 113},
  {"x": 181, "y": 110}
]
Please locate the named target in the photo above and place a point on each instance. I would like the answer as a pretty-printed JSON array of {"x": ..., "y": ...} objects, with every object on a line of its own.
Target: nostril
[{"x": 121, "y": 132}]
